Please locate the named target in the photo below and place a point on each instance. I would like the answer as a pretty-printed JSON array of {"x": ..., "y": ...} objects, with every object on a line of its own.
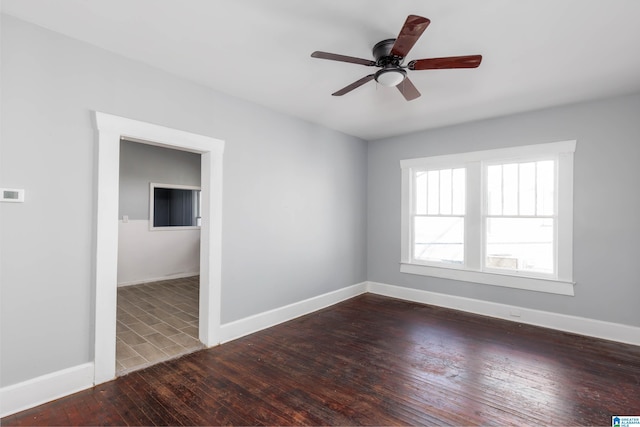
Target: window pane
[
  {"x": 445, "y": 192},
  {"x": 510, "y": 189},
  {"x": 459, "y": 190},
  {"x": 527, "y": 189},
  {"x": 546, "y": 187},
  {"x": 494, "y": 186},
  {"x": 421, "y": 193},
  {"x": 439, "y": 239},
  {"x": 175, "y": 207},
  {"x": 520, "y": 244},
  {"x": 433, "y": 183}
]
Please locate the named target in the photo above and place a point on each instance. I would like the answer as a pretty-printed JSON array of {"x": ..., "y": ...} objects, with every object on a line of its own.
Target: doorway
[
  {"x": 158, "y": 255},
  {"x": 110, "y": 130}
]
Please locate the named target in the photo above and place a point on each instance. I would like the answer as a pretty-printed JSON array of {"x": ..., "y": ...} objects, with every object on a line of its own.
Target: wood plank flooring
[{"x": 372, "y": 360}]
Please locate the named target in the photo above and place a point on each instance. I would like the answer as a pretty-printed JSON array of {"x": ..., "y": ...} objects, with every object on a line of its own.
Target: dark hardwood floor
[{"x": 372, "y": 361}]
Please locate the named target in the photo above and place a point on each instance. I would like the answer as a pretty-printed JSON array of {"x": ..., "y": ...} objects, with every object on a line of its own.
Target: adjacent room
[
  {"x": 319, "y": 213},
  {"x": 158, "y": 255}
]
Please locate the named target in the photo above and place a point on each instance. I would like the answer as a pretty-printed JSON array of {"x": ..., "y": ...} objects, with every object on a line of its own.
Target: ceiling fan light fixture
[{"x": 390, "y": 77}]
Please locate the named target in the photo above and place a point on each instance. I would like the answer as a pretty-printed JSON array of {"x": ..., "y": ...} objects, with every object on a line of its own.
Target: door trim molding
[{"x": 110, "y": 131}]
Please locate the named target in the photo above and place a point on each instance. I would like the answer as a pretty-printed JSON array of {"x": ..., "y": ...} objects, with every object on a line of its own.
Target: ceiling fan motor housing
[
  {"x": 391, "y": 73},
  {"x": 382, "y": 53}
]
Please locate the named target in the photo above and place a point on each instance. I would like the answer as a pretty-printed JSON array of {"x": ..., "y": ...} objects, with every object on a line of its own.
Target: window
[
  {"x": 498, "y": 217},
  {"x": 520, "y": 217},
  {"x": 174, "y": 206},
  {"x": 438, "y": 223}
]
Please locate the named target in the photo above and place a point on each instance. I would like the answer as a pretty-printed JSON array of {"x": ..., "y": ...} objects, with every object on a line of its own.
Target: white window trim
[{"x": 562, "y": 284}]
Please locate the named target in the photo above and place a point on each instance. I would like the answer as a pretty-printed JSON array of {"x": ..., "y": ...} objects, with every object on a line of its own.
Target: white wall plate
[{"x": 13, "y": 195}]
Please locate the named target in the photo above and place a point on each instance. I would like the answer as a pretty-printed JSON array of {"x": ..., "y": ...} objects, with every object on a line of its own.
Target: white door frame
[{"x": 110, "y": 130}]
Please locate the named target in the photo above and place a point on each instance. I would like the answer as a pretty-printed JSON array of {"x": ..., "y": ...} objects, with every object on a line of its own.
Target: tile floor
[{"x": 156, "y": 321}]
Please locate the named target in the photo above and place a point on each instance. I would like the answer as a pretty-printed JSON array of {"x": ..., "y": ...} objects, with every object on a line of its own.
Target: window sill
[
  {"x": 175, "y": 228},
  {"x": 551, "y": 286}
]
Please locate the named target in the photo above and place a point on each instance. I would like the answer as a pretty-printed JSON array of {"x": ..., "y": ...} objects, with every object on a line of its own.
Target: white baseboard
[
  {"x": 36, "y": 391},
  {"x": 562, "y": 322},
  {"x": 258, "y": 322},
  {"x": 25, "y": 395},
  {"x": 33, "y": 392},
  {"x": 159, "y": 279}
]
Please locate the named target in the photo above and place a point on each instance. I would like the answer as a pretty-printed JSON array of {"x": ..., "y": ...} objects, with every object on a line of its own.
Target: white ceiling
[{"x": 536, "y": 53}]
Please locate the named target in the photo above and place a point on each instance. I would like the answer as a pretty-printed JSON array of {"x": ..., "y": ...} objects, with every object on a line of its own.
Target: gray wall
[
  {"x": 141, "y": 164},
  {"x": 294, "y": 194},
  {"x": 298, "y": 219},
  {"x": 606, "y": 204}
]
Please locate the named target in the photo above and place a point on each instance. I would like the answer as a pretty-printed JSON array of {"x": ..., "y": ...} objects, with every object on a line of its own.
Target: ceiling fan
[{"x": 389, "y": 55}]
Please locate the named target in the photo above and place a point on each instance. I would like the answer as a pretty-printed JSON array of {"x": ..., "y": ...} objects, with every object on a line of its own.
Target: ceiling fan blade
[
  {"x": 468, "y": 61},
  {"x": 408, "y": 90},
  {"x": 411, "y": 31},
  {"x": 353, "y": 85},
  {"x": 342, "y": 58}
]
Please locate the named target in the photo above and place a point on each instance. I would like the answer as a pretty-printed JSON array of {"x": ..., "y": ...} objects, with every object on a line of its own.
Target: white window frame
[{"x": 473, "y": 269}]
